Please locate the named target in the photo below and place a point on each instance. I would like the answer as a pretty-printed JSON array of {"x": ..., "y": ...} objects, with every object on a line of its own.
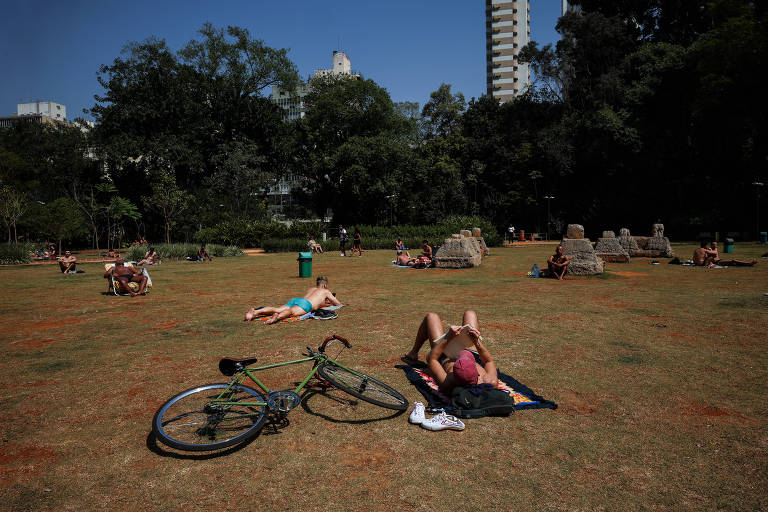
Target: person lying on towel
[
  {"x": 461, "y": 369},
  {"x": 315, "y": 298},
  {"x": 404, "y": 258}
]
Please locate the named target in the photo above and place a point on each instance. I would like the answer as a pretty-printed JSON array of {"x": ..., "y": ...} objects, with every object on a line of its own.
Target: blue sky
[{"x": 51, "y": 50}]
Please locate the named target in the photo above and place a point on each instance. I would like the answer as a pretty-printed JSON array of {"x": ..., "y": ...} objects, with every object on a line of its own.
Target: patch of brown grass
[{"x": 659, "y": 372}]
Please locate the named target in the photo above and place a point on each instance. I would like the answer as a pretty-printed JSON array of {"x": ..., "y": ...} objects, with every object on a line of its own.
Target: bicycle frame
[{"x": 239, "y": 377}]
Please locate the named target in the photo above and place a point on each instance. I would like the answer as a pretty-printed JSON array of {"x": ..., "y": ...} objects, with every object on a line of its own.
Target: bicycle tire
[
  {"x": 362, "y": 386},
  {"x": 213, "y": 429}
]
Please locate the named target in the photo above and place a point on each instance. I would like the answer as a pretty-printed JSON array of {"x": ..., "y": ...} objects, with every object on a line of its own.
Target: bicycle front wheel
[
  {"x": 362, "y": 386},
  {"x": 210, "y": 417}
]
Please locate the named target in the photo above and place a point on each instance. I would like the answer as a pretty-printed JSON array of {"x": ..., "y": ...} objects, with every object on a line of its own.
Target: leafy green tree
[
  {"x": 13, "y": 204},
  {"x": 352, "y": 149},
  {"x": 119, "y": 209},
  {"x": 167, "y": 199},
  {"x": 442, "y": 113},
  {"x": 59, "y": 220}
]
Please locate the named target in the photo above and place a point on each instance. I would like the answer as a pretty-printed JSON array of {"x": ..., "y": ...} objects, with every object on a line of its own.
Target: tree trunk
[{"x": 15, "y": 234}]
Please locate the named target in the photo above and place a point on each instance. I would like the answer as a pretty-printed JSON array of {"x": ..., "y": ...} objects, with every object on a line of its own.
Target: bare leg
[
  {"x": 142, "y": 285},
  {"x": 265, "y": 311},
  {"x": 285, "y": 313},
  {"x": 430, "y": 329},
  {"x": 125, "y": 286},
  {"x": 735, "y": 263},
  {"x": 470, "y": 317}
]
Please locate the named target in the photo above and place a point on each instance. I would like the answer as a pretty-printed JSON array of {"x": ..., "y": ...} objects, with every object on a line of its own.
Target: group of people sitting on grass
[
  {"x": 404, "y": 257},
  {"x": 710, "y": 257}
]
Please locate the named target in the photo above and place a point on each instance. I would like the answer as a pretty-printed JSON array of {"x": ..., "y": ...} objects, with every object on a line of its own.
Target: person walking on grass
[
  {"x": 342, "y": 240},
  {"x": 357, "y": 243}
]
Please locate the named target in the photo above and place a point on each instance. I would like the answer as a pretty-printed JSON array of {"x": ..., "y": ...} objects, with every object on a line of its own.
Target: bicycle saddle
[{"x": 230, "y": 365}]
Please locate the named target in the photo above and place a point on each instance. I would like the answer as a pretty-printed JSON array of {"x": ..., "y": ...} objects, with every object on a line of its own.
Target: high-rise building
[
  {"x": 293, "y": 104},
  {"x": 507, "y": 30},
  {"x": 568, "y": 7},
  {"x": 48, "y": 112}
]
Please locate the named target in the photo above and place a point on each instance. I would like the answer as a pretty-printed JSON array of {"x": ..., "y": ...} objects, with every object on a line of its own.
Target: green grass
[{"x": 659, "y": 372}]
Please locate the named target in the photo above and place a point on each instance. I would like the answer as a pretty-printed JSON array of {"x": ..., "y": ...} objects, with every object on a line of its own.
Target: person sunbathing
[
  {"x": 462, "y": 370},
  {"x": 314, "y": 246},
  {"x": 727, "y": 263},
  {"x": 703, "y": 256},
  {"x": 125, "y": 274},
  {"x": 426, "y": 249},
  {"x": 68, "y": 263},
  {"x": 202, "y": 254},
  {"x": 558, "y": 263},
  {"x": 150, "y": 257},
  {"x": 313, "y": 299},
  {"x": 404, "y": 259}
]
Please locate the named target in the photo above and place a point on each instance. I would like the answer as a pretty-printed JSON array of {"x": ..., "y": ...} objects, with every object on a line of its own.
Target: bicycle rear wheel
[
  {"x": 209, "y": 417},
  {"x": 362, "y": 386}
]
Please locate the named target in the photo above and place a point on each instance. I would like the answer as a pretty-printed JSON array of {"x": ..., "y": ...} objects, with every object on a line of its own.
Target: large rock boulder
[
  {"x": 655, "y": 246},
  {"x": 609, "y": 249},
  {"x": 584, "y": 261},
  {"x": 478, "y": 235},
  {"x": 458, "y": 251},
  {"x": 575, "y": 231},
  {"x": 627, "y": 242}
]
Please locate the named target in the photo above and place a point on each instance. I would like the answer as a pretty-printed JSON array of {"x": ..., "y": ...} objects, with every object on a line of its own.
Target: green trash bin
[
  {"x": 728, "y": 245},
  {"x": 764, "y": 237},
  {"x": 305, "y": 264}
]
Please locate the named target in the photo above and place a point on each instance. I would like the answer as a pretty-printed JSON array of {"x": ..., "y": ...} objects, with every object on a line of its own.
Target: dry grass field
[{"x": 659, "y": 372}]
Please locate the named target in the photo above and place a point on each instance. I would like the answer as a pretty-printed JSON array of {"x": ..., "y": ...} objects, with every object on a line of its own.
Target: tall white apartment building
[
  {"x": 293, "y": 104},
  {"x": 42, "y": 108},
  {"x": 507, "y": 30}
]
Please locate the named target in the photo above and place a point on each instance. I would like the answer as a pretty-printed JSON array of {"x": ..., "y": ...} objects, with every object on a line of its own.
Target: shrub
[
  {"x": 278, "y": 237},
  {"x": 181, "y": 251},
  {"x": 13, "y": 254}
]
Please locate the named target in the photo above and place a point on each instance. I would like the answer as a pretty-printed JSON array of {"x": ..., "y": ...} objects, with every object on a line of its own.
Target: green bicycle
[{"x": 215, "y": 416}]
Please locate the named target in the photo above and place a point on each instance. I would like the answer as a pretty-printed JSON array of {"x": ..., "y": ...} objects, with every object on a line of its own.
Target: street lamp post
[
  {"x": 757, "y": 185},
  {"x": 391, "y": 207},
  {"x": 548, "y": 198}
]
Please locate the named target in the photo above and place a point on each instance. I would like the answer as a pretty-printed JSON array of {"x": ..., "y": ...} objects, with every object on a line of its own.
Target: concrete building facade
[
  {"x": 43, "y": 108},
  {"x": 40, "y": 112},
  {"x": 293, "y": 104},
  {"x": 507, "y": 30}
]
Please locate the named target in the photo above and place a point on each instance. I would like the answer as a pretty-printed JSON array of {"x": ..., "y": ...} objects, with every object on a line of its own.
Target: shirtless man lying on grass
[
  {"x": 462, "y": 370},
  {"x": 315, "y": 298}
]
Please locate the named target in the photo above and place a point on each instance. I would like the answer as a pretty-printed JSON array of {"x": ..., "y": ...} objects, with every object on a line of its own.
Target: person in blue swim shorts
[{"x": 315, "y": 298}]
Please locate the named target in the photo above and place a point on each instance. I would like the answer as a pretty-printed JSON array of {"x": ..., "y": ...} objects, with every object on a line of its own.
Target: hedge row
[
  {"x": 278, "y": 237},
  {"x": 13, "y": 254},
  {"x": 180, "y": 251}
]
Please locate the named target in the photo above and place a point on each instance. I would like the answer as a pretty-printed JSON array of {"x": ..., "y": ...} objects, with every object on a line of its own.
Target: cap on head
[{"x": 465, "y": 370}]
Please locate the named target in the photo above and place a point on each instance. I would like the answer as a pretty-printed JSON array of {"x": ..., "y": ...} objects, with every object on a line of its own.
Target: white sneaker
[
  {"x": 443, "y": 422},
  {"x": 417, "y": 415}
]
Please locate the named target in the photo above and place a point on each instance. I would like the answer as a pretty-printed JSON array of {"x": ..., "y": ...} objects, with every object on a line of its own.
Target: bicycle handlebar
[{"x": 330, "y": 338}]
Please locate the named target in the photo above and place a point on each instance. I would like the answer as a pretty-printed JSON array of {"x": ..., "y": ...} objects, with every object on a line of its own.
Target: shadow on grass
[
  {"x": 157, "y": 449},
  {"x": 309, "y": 394},
  {"x": 273, "y": 425}
]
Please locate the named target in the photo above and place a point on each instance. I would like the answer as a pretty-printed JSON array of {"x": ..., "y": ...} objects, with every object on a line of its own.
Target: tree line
[{"x": 645, "y": 110}]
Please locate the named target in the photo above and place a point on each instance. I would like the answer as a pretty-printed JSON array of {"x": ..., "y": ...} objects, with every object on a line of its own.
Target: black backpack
[{"x": 481, "y": 400}]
